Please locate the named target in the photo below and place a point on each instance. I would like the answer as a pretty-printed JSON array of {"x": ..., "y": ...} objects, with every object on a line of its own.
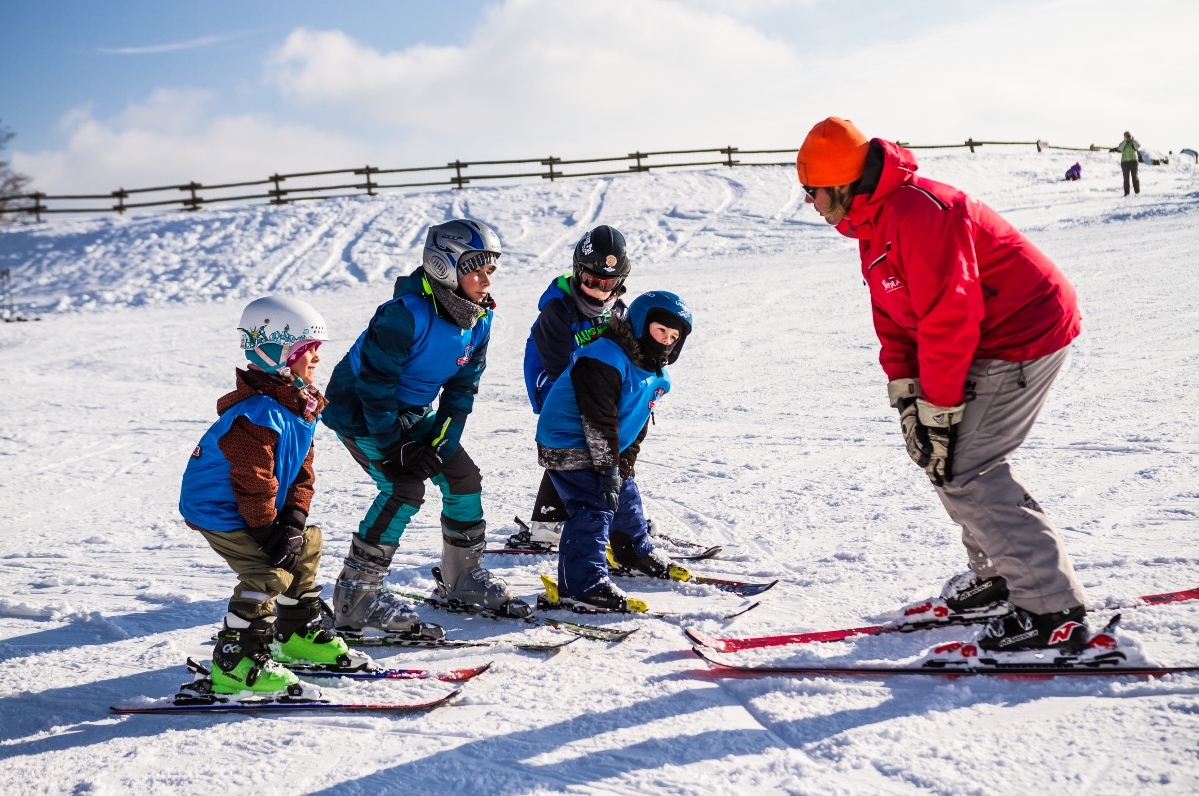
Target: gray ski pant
[{"x": 1003, "y": 527}]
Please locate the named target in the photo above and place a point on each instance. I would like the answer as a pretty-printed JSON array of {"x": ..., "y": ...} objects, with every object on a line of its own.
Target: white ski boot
[
  {"x": 362, "y": 608},
  {"x": 463, "y": 580}
]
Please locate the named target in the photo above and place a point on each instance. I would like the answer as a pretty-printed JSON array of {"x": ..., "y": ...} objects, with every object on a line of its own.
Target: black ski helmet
[{"x": 601, "y": 254}]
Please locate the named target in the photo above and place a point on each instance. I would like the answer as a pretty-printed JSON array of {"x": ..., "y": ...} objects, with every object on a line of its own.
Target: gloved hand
[
  {"x": 929, "y": 433},
  {"x": 283, "y": 539},
  {"x": 610, "y": 483},
  {"x": 409, "y": 457}
]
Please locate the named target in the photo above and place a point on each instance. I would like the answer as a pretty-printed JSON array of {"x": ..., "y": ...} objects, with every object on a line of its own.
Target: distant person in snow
[
  {"x": 589, "y": 434},
  {"x": 427, "y": 344},
  {"x": 1074, "y": 172},
  {"x": 247, "y": 489},
  {"x": 975, "y": 323},
  {"x": 1129, "y": 150},
  {"x": 574, "y": 311}
]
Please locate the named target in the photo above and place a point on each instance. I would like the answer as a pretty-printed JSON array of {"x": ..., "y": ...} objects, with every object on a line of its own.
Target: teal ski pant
[{"x": 400, "y": 499}]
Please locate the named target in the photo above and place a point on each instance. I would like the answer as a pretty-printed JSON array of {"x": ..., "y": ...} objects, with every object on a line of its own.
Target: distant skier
[
  {"x": 589, "y": 433},
  {"x": 975, "y": 323},
  {"x": 247, "y": 489},
  {"x": 428, "y": 343},
  {"x": 574, "y": 311},
  {"x": 1130, "y": 156}
]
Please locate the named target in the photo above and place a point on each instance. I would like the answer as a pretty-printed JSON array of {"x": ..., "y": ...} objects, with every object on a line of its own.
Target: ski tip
[{"x": 702, "y": 639}]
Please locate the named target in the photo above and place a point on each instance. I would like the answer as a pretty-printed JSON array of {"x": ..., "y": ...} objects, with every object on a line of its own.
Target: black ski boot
[
  {"x": 1021, "y": 630},
  {"x": 607, "y": 597},
  {"x": 969, "y": 590}
]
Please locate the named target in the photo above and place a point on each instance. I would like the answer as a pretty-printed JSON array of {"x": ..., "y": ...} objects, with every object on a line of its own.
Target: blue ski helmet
[{"x": 665, "y": 308}]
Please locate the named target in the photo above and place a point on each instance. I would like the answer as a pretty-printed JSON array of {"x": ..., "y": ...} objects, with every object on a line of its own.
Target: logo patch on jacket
[
  {"x": 470, "y": 349},
  {"x": 891, "y": 283},
  {"x": 196, "y": 453},
  {"x": 658, "y": 393}
]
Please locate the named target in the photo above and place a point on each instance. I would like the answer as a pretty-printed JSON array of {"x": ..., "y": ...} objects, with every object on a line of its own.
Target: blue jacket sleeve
[
  {"x": 384, "y": 353},
  {"x": 458, "y": 399}
]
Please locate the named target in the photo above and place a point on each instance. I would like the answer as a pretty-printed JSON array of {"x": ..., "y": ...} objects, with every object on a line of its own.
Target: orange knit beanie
[{"x": 834, "y": 153}]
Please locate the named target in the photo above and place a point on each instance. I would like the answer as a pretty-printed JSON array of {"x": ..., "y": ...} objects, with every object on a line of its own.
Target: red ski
[{"x": 921, "y": 616}]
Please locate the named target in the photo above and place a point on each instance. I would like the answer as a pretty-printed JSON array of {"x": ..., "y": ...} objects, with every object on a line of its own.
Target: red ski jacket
[{"x": 951, "y": 281}]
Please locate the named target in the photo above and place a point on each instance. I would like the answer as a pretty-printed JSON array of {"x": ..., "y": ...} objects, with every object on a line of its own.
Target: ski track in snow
[{"x": 776, "y": 442}]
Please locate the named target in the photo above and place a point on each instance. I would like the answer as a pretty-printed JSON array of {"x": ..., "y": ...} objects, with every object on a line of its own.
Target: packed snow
[{"x": 777, "y": 443}]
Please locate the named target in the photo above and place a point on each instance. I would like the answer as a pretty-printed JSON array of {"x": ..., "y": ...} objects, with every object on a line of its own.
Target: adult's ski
[
  {"x": 1103, "y": 657},
  {"x": 737, "y": 587},
  {"x": 1023, "y": 671},
  {"x": 920, "y": 616}
]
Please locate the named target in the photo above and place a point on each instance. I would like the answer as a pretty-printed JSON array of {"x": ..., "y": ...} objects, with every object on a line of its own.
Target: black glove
[
  {"x": 409, "y": 457},
  {"x": 610, "y": 483},
  {"x": 929, "y": 433},
  {"x": 283, "y": 539}
]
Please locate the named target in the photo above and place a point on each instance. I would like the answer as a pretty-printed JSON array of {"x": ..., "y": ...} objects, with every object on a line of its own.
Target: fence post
[
  {"x": 550, "y": 162},
  {"x": 370, "y": 186},
  {"x": 193, "y": 203},
  {"x": 278, "y": 192},
  {"x": 38, "y": 207},
  {"x": 120, "y": 194},
  {"x": 638, "y": 156},
  {"x": 728, "y": 154},
  {"x": 970, "y": 143},
  {"x": 457, "y": 180}
]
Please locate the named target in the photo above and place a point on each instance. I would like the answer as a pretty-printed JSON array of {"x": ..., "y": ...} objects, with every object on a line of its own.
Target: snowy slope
[{"x": 776, "y": 442}]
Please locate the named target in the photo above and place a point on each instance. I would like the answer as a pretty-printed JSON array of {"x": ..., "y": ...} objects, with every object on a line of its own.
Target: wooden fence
[{"x": 369, "y": 180}]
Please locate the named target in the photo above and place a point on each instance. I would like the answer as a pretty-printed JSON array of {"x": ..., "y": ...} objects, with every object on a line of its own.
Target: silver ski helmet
[
  {"x": 667, "y": 309},
  {"x": 458, "y": 247},
  {"x": 275, "y": 328}
]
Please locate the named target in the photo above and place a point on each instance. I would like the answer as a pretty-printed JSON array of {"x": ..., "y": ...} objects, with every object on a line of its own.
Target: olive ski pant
[{"x": 1003, "y": 527}]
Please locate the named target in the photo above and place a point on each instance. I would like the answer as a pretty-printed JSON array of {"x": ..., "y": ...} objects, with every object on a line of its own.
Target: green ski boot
[
  {"x": 303, "y": 641},
  {"x": 242, "y": 661}
]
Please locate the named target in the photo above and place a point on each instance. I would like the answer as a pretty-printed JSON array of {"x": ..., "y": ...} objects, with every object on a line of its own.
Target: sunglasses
[
  {"x": 599, "y": 283},
  {"x": 810, "y": 191}
]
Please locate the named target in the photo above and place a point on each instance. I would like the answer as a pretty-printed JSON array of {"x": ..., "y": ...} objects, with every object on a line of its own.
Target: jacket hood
[
  {"x": 410, "y": 285},
  {"x": 254, "y": 382},
  {"x": 889, "y": 167},
  {"x": 621, "y": 332}
]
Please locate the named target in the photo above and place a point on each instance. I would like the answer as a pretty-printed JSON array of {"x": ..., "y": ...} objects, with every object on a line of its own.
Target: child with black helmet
[
  {"x": 588, "y": 436},
  {"x": 247, "y": 490},
  {"x": 574, "y": 311}
]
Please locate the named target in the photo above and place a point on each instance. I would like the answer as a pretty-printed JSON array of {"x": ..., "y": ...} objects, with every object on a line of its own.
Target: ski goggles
[{"x": 601, "y": 283}]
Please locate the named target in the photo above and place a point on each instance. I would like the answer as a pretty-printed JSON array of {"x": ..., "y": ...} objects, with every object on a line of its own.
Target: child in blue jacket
[
  {"x": 399, "y": 401},
  {"x": 588, "y": 436},
  {"x": 247, "y": 490},
  {"x": 575, "y": 310}
]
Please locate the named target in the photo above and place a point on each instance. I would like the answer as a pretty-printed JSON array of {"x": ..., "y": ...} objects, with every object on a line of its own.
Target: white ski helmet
[
  {"x": 458, "y": 247},
  {"x": 274, "y": 327}
]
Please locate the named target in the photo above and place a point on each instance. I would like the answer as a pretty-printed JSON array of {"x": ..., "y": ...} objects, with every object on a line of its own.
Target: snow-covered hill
[{"x": 776, "y": 442}]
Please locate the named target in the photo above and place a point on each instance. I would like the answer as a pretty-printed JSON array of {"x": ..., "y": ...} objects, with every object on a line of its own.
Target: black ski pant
[{"x": 1129, "y": 168}]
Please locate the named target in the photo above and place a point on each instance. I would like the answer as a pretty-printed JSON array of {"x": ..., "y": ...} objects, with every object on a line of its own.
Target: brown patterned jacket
[{"x": 250, "y": 450}]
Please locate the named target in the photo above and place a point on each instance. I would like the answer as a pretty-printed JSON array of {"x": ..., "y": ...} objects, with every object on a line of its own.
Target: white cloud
[
  {"x": 595, "y": 79},
  {"x": 170, "y": 47},
  {"x": 171, "y": 140}
]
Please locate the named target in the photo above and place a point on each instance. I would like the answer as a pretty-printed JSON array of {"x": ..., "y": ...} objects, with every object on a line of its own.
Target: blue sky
[{"x": 133, "y": 92}]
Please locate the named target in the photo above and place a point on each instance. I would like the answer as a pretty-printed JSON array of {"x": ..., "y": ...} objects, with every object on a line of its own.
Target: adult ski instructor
[{"x": 975, "y": 323}]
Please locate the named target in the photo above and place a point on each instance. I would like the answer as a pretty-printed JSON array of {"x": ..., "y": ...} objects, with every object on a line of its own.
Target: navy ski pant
[{"x": 582, "y": 566}]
